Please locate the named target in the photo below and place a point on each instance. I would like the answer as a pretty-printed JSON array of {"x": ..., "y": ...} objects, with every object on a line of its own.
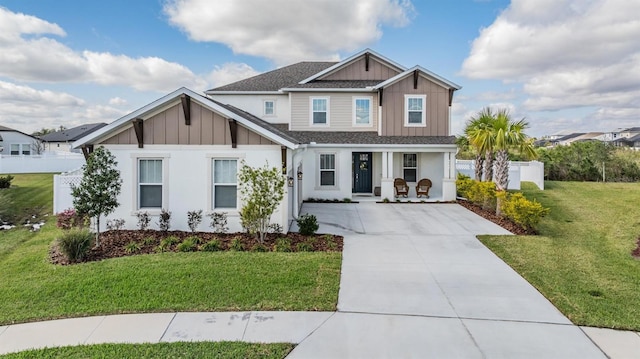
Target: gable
[
  {"x": 168, "y": 127},
  {"x": 359, "y": 70}
]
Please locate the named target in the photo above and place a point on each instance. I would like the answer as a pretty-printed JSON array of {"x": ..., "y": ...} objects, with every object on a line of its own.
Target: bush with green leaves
[
  {"x": 164, "y": 221},
  {"x": 481, "y": 193},
  {"x": 147, "y": 241},
  {"x": 194, "y": 218},
  {"x": 218, "y": 222},
  {"x": 520, "y": 210},
  {"x": 75, "y": 244},
  {"x": 132, "y": 247},
  {"x": 213, "y": 245},
  {"x": 68, "y": 219},
  {"x": 5, "y": 181},
  {"x": 144, "y": 219},
  {"x": 188, "y": 245},
  {"x": 304, "y": 247},
  {"x": 307, "y": 224},
  {"x": 236, "y": 245},
  {"x": 259, "y": 247},
  {"x": 282, "y": 245}
]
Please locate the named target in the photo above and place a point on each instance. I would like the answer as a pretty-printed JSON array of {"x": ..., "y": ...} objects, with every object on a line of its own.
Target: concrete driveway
[{"x": 416, "y": 283}]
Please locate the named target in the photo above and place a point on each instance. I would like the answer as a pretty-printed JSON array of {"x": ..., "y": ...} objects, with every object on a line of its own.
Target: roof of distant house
[
  {"x": 72, "y": 134},
  {"x": 275, "y": 80},
  {"x": 568, "y": 137}
]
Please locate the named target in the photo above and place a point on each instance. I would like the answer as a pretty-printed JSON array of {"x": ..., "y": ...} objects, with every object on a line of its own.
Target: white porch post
[
  {"x": 449, "y": 180},
  {"x": 386, "y": 183}
]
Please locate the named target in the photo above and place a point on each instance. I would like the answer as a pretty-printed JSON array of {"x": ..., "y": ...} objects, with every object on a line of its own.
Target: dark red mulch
[
  {"x": 113, "y": 243},
  {"x": 636, "y": 252},
  {"x": 491, "y": 216}
]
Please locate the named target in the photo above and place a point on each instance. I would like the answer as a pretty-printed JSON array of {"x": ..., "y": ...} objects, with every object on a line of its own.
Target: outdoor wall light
[
  {"x": 299, "y": 175},
  {"x": 290, "y": 181}
]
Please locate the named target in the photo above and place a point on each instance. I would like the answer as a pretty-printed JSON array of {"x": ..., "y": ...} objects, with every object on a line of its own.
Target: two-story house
[{"x": 338, "y": 129}]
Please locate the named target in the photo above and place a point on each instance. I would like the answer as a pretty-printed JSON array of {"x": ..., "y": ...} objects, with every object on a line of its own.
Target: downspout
[{"x": 296, "y": 183}]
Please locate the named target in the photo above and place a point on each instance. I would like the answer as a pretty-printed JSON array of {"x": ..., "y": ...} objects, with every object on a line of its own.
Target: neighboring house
[
  {"x": 567, "y": 139},
  {"x": 338, "y": 130},
  {"x": 16, "y": 143},
  {"x": 633, "y": 142},
  {"x": 61, "y": 140}
]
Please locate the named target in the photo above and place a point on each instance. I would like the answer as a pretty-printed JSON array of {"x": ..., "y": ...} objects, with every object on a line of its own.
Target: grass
[
  {"x": 217, "y": 350},
  {"x": 581, "y": 261},
  {"x": 32, "y": 289}
]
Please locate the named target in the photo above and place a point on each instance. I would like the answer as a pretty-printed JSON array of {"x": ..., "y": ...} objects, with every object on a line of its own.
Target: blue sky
[{"x": 561, "y": 64}]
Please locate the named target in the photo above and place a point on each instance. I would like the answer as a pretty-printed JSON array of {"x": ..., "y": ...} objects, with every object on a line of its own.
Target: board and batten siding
[
  {"x": 340, "y": 111},
  {"x": 168, "y": 128},
  {"x": 357, "y": 71},
  {"x": 437, "y": 109}
]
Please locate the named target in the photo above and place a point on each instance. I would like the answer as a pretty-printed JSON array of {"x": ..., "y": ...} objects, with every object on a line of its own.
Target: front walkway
[{"x": 415, "y": 284}]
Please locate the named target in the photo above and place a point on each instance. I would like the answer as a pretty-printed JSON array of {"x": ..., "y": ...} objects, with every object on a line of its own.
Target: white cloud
[
  {"x": 40, "y": 58},
  {"x": 230, "y": 72},
  {"x": 117, "y": 101},
  {"x": 287, "y": 31}
]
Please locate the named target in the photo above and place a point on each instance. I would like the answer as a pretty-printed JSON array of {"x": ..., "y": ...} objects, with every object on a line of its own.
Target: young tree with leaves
[
  {"x": 262, "y": 190},
  {"x": 97, "y": 194}
]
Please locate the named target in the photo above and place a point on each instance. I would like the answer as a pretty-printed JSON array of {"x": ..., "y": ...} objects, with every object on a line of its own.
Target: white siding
[
  {"x": 254, "y": 104},
  {"x": 340, "y": 111}
]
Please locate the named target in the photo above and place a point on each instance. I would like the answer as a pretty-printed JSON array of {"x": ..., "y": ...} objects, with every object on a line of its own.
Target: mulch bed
[
  {"x": 491, "y": 216},
  {"x": 636, "y": 252},
  {"x": 113, "y": 243}
]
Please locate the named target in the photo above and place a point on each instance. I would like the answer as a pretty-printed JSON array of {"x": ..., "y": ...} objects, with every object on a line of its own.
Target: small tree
[
  {"x": 97, "y": 194},
  {"x": 262, "y": 190}
]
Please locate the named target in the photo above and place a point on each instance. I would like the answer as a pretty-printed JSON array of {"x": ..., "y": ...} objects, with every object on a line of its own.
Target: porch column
[
  {"x": 386, "y": 183},
  {"x": 449, "y": 179}
]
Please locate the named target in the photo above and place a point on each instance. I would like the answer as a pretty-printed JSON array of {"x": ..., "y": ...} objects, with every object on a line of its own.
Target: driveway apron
[{"x": 417, "y": 283}]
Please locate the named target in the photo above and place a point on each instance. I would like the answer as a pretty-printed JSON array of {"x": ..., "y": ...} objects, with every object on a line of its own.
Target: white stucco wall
[
  {"x": 311, "y": 174},
  {"x": 430, "y": 165},
  {"x": 254, "y": 104},
  {"x": 13, "y": 137},
  {"x": 187, "y": 181}
]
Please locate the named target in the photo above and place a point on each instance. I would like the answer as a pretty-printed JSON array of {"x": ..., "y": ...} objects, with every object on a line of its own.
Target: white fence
[
  {"x": 48, "y": 162},
  {"x": 518, "y": 171},
  {"x": 62, "y": 198}
]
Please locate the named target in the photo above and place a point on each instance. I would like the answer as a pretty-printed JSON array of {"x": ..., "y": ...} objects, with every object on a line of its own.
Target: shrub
[
  {"x": 115, "y": 224},
  {"x": 307, "y": 224},
  {"x": 188, "y": 245},
  {"x": 171, "y": 240},
  {"x": 143, "y": 220},
  {"x": 282, "y": 245},
  {"x": 218, "y": 222},
  {"x": 5, "y": 181},
  {"x": 259, "y": 247},
  {"x": 148, "y": 241},
  {"x": 236, "y": 245},
  {"x": 385, "y": 200},
  {"x": 132, "y": 247},
  {"x": 276, "y": 228},
  {"x": 477, "y": 192},
  {"x": 213, "y": 245},
  {"x": 304, "y": 247},
  {"x": 346, "y": 200},
  {"x": 520, "y": 210},
  {"x": 162, "y": 247},
  {"x": 68, "y": 219},
  {"x": 194, "y": 218},
  {"x": 75, "y": 244},
  {"x": 164, "y": 221},
  {"x": 195, "y": 239}
]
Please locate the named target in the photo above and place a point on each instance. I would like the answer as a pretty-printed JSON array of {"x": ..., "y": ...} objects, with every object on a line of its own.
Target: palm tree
[{"x": 479, "y": 132}]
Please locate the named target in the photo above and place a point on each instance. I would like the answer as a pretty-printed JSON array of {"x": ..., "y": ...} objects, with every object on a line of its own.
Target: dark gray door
[{"x": 361, "y": 164}]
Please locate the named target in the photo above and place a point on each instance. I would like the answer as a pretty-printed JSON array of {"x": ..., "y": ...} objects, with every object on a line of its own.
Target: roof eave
[{"x": 322, "y": 89}]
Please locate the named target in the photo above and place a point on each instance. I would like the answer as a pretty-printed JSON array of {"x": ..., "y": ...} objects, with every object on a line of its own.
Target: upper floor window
[
  {"x": 361, "y": 111},
  {"x": 269, "y": 108},
  {"x": 150, "y": 183},
  {"x": 319, "y": 111},
  {"x": 415, "y": 110}
]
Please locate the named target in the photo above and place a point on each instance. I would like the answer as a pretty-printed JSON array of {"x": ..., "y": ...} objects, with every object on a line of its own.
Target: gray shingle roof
[
  {"x": 275, "y": 80},
  {"x": 353, "y": 84},
  {"x": 72, "y": 134}
]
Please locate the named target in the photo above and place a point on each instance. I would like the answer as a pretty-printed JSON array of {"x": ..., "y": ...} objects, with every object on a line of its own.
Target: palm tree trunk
[
  {"x": 502, "y": 170},
  {"x": 478, "y": 166},
  {"x": 488, "y": 167}
]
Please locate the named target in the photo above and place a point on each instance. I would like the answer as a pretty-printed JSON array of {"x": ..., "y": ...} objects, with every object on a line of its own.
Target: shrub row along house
[{"x": 337, "y": 129}]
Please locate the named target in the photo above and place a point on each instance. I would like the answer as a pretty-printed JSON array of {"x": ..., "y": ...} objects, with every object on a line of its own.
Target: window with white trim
[
  {"x": 319, "y": 111},
  {"x": 415, "y": 110},
  {"x": 269, "y": 108},
  {"x": 225, "y": 183},
  {"x": 410, "y": 167},
  {"x": 20, "y": 149},
  {"x": 327, "y": 169},
  {"x": 150, "y": 183},
  {"x": 361, "y": 111},
  {"x": 15, "y": 149}
]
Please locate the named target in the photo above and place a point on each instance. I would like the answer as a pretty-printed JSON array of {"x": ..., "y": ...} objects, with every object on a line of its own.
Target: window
[
  {"x": 269, "y": 108},
  {"x": 15, "y": 149},
  {"x": 150, "y": 183},
  {"x": 410, "y": 167},
  {"x": 225, "y": 183},
  {"x": 415, "y": 112},
  {"x": 319, "y": 111},
  {"x": 361, "y": 110},
  {"x": 327, "y": 169},
  {"x": 26, "y": 149}
]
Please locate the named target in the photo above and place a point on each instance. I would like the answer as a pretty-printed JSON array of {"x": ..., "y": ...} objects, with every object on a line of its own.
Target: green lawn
[
  {"x": 33, "y": 289},
  {"x": 218, "y": 350},
  {"x": 581, "y": 261}
]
